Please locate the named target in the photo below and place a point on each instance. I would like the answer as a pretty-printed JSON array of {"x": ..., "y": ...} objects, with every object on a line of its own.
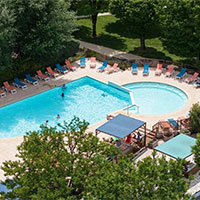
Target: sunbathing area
[{"x": 144, "y": 129}]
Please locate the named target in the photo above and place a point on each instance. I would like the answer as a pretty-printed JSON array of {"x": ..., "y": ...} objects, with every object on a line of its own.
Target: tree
[
  {"x": 150, "y": 179},
  {"x": 138, "y": 15},
  {"x": 180, "y": 27},
  {"x": 67, "y": 163},
  {"x": 90, "y": 7},
  {"x": 194, "y": 120},
  {"x": 56, "y": 164},
  {"x": 7, "y": 39},
  {"x": 196, "y": 150},
  {"x": 43, "y": 28}
]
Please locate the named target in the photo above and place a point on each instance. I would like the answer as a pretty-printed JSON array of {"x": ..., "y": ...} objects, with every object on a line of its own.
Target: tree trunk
[
  {"x": 142, "y": 41},
  {"x": 94, "y": 23}
]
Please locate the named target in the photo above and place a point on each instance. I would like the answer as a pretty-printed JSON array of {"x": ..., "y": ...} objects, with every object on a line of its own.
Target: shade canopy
[
  {"x": 120, "y": 126},
  {"x": 177, "y": 147}
]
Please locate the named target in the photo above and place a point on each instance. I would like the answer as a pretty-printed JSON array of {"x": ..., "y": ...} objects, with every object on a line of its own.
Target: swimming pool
[
  {"x": 85, "y": 98},
  {"x": 157, "y": 98}
]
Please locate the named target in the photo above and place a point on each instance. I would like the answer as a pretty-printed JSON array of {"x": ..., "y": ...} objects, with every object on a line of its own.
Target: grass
[{"x": 111, "y": 33}]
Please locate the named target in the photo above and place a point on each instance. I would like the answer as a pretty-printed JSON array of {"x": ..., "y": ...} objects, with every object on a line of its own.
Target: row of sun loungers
[
  {"x": 103, "y": 68},
  {"x": 145, "y": 69},
  {"x": 169, "y": 73},
  {"x": 39, "y": 75},
  {"x": 172, "y": 123}
]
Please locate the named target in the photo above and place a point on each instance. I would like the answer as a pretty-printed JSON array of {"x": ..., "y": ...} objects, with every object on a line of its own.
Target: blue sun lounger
[
  {"x": 197, "y": 84},
  {"x": 82, "y": 62},
  {"x": 29, "y": 79},
  {"x": 103, "y": 67},
  {"x": 60, "y": 69},
  {"x": 19, "y": 84},
  {"x": 146, "y": 70},
  {"x": 134, "y": 68},
  {"x": 181, "y": 74},
  {"x": 173, "y": 123}
]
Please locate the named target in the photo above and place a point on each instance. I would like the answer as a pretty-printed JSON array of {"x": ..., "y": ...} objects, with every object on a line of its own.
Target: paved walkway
[
  {"x": 88, "y": 16},
  {"x": 108, "y": 51}
]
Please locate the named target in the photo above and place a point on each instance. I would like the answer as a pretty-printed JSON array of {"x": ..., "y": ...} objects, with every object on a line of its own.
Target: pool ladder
[{"x": 130, "y": 106}]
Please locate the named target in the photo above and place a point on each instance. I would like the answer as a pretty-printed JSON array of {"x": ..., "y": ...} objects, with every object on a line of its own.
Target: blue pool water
[
  {"x": 85, "y": 98},
  {"x": 157, "y": 98}
]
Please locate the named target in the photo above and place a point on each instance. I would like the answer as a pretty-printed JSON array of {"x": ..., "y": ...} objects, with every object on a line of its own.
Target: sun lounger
[
  {"x": 173, "y": 123},
  {"x": 29, "y": 79},
  {"x": 158, "y": 70},
  {"x": 170, "y": 71},
  {"x": 193, "y": 78},
  {"x": 146, "y": 70},
  {"x": 61, "y": 69},
  {"x": 164, "y": 124},
  {"x": 82, "y": 62},
  {"x": 19, "y": 84},
  {"x": 197, "y": 84},
  {"x": 184, "y": 121},
  {"x": 50, "y": 72},
  {"x": 134, "y": 68},
  {"x": 41, "y": 76},
  {"x": 70, "y": 66},
  {"x": 114, "y": 68},
  {"x": 2, "y": 93},
  {"x": 8, "y": 88},
  {"x": 181, "y": 74},
  {"x": 103, "y": 67},
  {"x": 92, "y": 62}
]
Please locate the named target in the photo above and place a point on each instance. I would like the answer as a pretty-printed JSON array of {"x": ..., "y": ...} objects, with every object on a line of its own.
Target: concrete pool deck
[{"x": 8, "y": 146}]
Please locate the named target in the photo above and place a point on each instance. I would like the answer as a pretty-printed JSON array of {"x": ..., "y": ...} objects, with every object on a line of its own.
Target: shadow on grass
[
  {"x": 85, "y": 34},
  {"x": 124, "y": 30},
  {"x": 150, "y": 52}
]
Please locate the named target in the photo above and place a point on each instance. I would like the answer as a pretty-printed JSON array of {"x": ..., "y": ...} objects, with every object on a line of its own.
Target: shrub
[{"x": 194, "y": 120}]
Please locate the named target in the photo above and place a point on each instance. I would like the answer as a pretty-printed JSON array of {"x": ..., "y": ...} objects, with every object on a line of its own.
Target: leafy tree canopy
[
  {"x": 194, "y": 120},
  {"x": 68, "y": 163},
  {"x": 56, "y": 164},
  {"x": 150, "y": 179},
  {"x": 43, "y": 27},
  {"x": 7, "y": 33},
  {"x": 180, "y": 21},
  {"x": 90, "y": 7},
  {"x": 196, "y": 150},
  {"x": 138, "y": 15}
]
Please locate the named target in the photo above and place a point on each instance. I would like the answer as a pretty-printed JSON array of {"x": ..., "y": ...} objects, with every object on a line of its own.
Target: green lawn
[{"x": 112, "y": 34}]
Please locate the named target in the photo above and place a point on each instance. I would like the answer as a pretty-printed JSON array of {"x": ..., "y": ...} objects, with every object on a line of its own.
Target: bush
[
  {"x": 194, "y": 120},
  {"x": 22, "y": 66},
  {"x": 19, "y": 69},
  {"x": 71, "y": 48}
]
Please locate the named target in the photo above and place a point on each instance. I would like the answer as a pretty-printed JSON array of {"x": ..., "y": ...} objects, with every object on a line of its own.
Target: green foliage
[
  {"x": 19, "y": 69},
  {"x": 113, "y": 34},
  {"x": 7, "y": 39},
  {"x": 91, "y": 8},
  {"x": 194, "y": 120},
  {"x": 180, "y": 27},
  {"x": 138, "y": 15},
  {"x": 84, "y": 7},
  {"x": 37, "y": 31},
  {"x": 196, "y": 150},
  {"x": 56, "y": 163},
  {"x": 68, "y": 163},
  {"x": 150, "y": 179}
]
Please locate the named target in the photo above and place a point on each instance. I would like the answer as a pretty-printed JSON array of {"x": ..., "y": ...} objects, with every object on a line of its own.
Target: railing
[
  {"x": 130, "y": 106},
  {"x": 122, "y": 88}
]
